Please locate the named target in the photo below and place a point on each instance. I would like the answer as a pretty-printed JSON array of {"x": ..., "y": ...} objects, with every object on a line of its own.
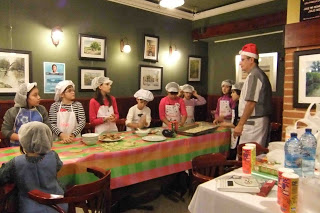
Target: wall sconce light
[
  {"x": 56, "y": 35},
  {"x": 125, "y": 47},
  {"x": 175, "y": 54}
]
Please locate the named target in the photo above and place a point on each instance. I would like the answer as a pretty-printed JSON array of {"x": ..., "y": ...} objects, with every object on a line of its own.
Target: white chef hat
[
  {"x": 172, "y": 87},
  {"x": 35, "y": 137},
  {"x": 61, "y": 87},
  {"x": 237, "y": 86},
  {"x": 187, "y": 88},
  {"x": 20, "y": 98},
  {"x": 227, "y": 82},
  {"x": 97, "y": 81},
  {"x": 144, "y": 95}
]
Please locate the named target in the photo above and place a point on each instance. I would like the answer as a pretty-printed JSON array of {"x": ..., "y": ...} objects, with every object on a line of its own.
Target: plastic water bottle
[
  {"x": 293, "y": 154},
  {"x": 309, "y": 146}
]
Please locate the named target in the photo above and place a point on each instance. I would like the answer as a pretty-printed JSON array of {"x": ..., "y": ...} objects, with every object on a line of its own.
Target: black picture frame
[
  {"x": 150, "y": 77},
  {"x": 194, "y": 68},
  {"x": 85, "y": 50},
  {"x": 151, "y": 48},
  {"x": 86, "y": 74},
  {"x": 306, "y": 78},
  {"x": 19, "y": 61}
]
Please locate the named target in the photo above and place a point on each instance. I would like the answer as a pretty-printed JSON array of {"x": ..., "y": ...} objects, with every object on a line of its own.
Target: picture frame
[
  {"x": 268, "y": 62},
  {"x": 150, "y": 77},
  {"x": 53, "y": 73},
  {"x": 86, "y": 74},
  {"x": 194, "y": 68},
  {"x": 92, "y": 47},
  {"x": 306, "y": 78},
  {"x": 15, "y": 69},
  {"x": 151, "y": 48}
]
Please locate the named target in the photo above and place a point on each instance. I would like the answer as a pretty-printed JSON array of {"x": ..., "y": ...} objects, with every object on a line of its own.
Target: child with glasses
[
  {"x": 67, "y": 117},
  {"x": 172, "y": 107},
  {"x": 139, "y": 115}
]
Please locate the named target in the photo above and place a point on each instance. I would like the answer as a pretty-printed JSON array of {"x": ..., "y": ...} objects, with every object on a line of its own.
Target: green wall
[
  {"x": 221, "y": 63},
  {"x": 33, "y": 20}
]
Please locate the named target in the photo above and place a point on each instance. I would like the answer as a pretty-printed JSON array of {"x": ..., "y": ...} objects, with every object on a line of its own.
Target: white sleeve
[{"x": 130, "y": 116}]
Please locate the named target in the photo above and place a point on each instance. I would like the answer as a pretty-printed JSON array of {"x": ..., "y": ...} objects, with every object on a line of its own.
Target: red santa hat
[{"x": 250, "y": 50}]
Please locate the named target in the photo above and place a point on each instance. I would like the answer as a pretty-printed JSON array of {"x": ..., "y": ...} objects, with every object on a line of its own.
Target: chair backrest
[
  {"x": 210, "y": 165},
  {"x": 95, "y": 196},
  {"x": 5, "y": 191},
  {"x": 259, "y": 150}
]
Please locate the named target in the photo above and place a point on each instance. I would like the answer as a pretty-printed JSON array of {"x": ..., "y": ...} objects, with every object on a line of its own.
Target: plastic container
[
  {"x": 293, "y": 154},
  {"x": 309, "y": 146},
  {"x": 90, "y": 138}
]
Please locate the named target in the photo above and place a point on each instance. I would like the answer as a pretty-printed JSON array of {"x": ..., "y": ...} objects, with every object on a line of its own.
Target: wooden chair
[
  {"x": 259, "y": 150},
  {"x": 5, "y": 192},
  {"x": 208, "y": 166},
  {"x": 95, "y": 196}
]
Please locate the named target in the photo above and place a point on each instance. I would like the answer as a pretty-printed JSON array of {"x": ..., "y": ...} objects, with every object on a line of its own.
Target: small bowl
[
  {"x": 90, "y": 138},
  {"x": 143, "y": 132}
]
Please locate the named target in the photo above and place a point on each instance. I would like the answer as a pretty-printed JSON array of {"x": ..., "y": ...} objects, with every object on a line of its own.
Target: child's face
[
  {"x": 68, "y": 94},
  {"x": 234, "y": 96},
  {"x": 141, "y": 103},
  {"x": 33, "y": 98},
  {"x": 225, "y": 89},
  {"x": 172, "y": 95},
  {"x": 105, "y": 88},
  {"x": 187, "y": 95}
]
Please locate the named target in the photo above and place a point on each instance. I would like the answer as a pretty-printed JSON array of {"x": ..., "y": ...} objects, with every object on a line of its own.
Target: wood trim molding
[
  {"x": 302, "y": 34},
  {"x": 261, "y": 22}
]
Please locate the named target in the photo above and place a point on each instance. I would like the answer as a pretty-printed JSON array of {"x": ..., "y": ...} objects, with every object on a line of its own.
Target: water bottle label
[{"x": 309, "y": 153}]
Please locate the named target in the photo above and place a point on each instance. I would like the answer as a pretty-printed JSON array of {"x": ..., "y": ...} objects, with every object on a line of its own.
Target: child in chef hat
[
  {"x": 66, "y": 116},
  {"x": 139, "y": 115}
]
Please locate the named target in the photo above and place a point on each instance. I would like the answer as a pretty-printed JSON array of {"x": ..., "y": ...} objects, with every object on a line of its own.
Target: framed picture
[
  {"x": 15, "y": 69},
  {"x": 151, "y": 48},
  {"x": 268, "y": 62},
  {"x": 151, "y": 77},
  {"x": 92, "y": 47},
  {"x": 194, "y": 68},
  {"x": 86, "y": 74},
  {"x": 53, "y": 73},
  {"x": 306, "y": 78}
]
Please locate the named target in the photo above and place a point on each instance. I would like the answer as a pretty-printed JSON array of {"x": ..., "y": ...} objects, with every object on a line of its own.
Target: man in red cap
[{"x": 255, "y": 99}]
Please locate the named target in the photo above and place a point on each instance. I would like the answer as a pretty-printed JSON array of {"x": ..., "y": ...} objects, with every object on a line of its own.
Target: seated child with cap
[
  {"x": 103, "y": 109},
  {"x": 26, "y": 108},
  {"x": 37, "y": 168},
  {"x": 67, "y": 117},
  {"x": 235, "y": 94},
  {"x": 225, "y": 103},
  {"x": 172, "y": 107},
  {"x": 188, "y": 91},
  {"x": 139, "y": 115}
]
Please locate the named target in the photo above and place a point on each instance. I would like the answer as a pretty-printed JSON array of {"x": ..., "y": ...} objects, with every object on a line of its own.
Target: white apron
[
  {"x": 66, "y": 121},
  {"x": 225, "y": 108},
  {"x": 172, "y": 113},
  {"x": 190, "y": 114},
  {"x": 234, "y": 140},
  {"x": 255, "y": 130},
  {"x": 105, "y": 111}
]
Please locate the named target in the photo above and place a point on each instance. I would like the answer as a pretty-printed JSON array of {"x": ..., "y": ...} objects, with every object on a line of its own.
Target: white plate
[
  {"x": 154, "y": 138},
  {"x": 110, "y": 140}
]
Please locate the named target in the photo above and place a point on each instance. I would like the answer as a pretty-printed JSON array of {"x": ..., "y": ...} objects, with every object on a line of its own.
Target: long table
[{"x": 131, "y": 160}]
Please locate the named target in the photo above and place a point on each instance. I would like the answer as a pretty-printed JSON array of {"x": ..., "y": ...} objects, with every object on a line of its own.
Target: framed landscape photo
[
  {"x": 53, "y": 73},
  {"x": 86, "y": 74},
  {"x": 151, "y": 77},
  {"x": 268, "y": 62},
  {"x": 194, "y": 68},
  {"x": 151, "y": 48},
  {"x": 92, "y": 47},
  {"x": 306, "y": 88},
  {"x": 15, "y": 69}
]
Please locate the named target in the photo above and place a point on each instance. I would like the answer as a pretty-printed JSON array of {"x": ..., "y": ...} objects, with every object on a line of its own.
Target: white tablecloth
[{"x": 208, "y": 198}]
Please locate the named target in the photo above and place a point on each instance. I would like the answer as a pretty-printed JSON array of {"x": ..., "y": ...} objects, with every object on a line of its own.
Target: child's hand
[
  {"x": 142, "y": 121},
  {"x": 194, "y": 93},
  {"x": 112, "y": 118}
]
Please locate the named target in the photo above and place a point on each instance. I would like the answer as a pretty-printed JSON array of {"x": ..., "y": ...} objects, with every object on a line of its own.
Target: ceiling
[{"x": 193, "y": 9}]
